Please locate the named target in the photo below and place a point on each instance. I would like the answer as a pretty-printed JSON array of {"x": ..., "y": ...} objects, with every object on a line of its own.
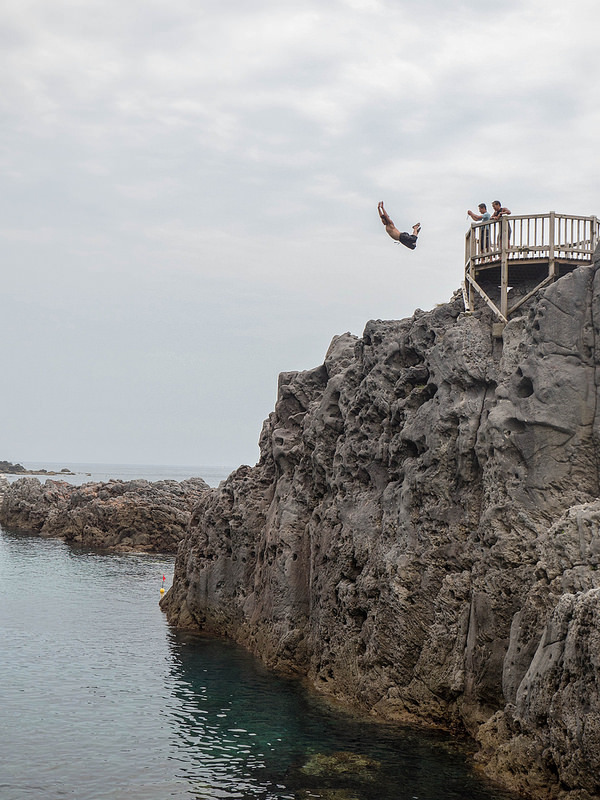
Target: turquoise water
[{"x": 101, "y": 699}]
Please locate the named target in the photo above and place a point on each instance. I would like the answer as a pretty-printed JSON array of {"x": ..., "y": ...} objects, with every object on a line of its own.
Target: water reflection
[
  {"x": 102, "y": 700},
  {"x": 255, "y": 735}
]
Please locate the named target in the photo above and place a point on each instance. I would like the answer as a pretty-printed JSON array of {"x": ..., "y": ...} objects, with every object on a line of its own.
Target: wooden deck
[{"x": 524, "y": 250}]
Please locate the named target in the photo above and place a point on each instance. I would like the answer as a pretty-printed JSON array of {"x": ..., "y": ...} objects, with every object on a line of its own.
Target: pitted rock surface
[
  {"x": 420, "y": 536},
  {"x": 120, "y": 516}
]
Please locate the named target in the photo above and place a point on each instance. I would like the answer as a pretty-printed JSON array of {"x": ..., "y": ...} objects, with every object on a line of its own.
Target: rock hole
[
  {"x": 413, "y": 450},
  {"x": 525, "y": 387},
  {"x": 514, "y": 425}
]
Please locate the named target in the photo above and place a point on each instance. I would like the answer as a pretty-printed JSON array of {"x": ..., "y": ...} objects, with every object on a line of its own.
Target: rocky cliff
[
  {"x": 421, "y": 534},
  {"x": 120, "y": 516}
]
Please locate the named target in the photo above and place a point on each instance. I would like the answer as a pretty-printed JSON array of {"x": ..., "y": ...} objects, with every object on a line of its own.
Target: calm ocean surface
[
  {"x": 84, "y": 473},
  {"x": 101, "y": 700}
]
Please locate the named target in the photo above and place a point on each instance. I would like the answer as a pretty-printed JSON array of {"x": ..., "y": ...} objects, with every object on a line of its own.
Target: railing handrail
[
  {"x": 547, "y": 215},
  {"x": 548, "y": 233},
  {"x": 524, "y": 240}
]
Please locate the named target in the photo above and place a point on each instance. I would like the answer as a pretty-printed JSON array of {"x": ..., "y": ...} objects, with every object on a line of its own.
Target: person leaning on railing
[{"x": 499, "y": 212}]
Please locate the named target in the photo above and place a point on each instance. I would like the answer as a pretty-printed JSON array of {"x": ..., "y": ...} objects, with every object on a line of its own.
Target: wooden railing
[
  {"x": 549, "y": 239},
  {"x": 533, "y": 237}
]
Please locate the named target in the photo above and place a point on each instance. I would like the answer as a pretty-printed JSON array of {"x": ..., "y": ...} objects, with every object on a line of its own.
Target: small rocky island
[{"x": 7, "y": 468}]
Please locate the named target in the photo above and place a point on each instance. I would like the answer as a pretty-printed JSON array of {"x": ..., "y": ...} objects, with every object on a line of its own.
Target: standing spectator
[
  {"x": 499, "y": 212},
  {"x": 483, "y": 216}
]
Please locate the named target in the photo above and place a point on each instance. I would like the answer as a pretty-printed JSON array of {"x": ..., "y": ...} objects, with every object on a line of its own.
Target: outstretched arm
[
  {"x": 390, "y": 228},
  {"x": 383, "y": 215},
  {"x": 476, "y": 217}
]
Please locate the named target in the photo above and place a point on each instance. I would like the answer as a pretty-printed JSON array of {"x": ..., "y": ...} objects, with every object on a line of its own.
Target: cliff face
[{"x": 420, "y": 535}]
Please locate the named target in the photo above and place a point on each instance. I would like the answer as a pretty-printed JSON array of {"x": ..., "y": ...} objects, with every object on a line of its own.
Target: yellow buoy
[{"x": 162, "y": 591}]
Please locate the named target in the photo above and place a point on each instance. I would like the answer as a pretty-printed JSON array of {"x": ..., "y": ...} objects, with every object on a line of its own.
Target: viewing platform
[{"x": 509, "y": 260}]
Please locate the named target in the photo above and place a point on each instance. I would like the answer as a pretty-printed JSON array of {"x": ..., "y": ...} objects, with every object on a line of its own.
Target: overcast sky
[{"x": 189, "y": 192}]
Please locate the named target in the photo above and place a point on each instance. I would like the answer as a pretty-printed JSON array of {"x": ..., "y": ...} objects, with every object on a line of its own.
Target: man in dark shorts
[{"x": 407, "y": 239}]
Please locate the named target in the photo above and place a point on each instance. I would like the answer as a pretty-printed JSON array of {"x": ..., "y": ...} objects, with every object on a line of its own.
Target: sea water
[
  {"x": 102, "y": 700},
  {"x": 79, "y": 473}
]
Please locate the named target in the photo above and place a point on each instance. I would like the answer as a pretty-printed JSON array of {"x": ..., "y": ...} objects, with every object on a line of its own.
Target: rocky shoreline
[
  {"x": 420, "y": 537},
  {"x": 117, "y": 516}
]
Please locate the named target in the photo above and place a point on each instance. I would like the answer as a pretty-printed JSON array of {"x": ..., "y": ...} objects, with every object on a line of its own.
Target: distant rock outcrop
[
  {"x": 8, "y": 468},
  {"x": 421, "y": 534},
  {"x": 120, "y": 516},
  {"x": 12, "y": 469}
]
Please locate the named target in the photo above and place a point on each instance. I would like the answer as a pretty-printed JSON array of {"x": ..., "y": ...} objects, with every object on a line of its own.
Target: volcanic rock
[
  {"x": 420, "y": 536},
  {"x": 120, "y": 516}
]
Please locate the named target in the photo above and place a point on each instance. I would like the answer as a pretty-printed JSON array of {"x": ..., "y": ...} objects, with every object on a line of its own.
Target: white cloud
[{"x": 182, "y": 176}]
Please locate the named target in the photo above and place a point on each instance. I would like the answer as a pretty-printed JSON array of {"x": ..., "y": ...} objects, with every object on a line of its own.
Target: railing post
[
  {"x": 469, "y": 253},
  {"x": 551, "y": 246},
  {"x": 504, "y": 266},
  {"x": 514, "y": 245}
]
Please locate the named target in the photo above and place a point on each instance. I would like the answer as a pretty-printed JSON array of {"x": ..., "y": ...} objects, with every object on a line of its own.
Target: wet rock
[
  {"x": 337, "y": 776},
  {"x": 341, "y": 763},
  {"x": 327, "y": 794}
]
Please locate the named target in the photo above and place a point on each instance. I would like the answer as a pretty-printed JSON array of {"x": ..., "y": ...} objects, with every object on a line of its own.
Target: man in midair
[{"x": 407, "y": 239}]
